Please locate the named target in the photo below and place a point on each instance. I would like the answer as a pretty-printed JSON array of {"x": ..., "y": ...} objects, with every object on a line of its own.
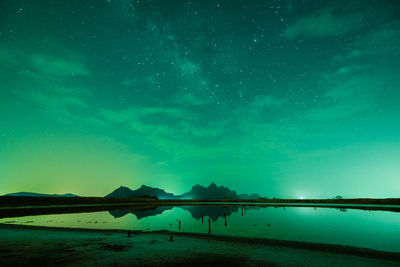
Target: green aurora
[{"x": 282, "y": 98}]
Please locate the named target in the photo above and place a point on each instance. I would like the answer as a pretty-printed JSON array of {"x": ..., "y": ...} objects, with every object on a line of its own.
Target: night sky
[{"x": 282, "y": 98}]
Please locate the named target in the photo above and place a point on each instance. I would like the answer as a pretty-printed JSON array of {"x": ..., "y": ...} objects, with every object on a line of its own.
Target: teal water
[{"x": 378, "y": 230}]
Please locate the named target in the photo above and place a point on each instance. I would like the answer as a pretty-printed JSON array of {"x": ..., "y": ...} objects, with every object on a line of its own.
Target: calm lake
[{"x": 378, "y": 230}]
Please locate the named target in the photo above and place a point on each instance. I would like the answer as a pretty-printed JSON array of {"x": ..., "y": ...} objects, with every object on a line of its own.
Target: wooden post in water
[
  {"x": 209, "y": 226},
  {"x": 179, "y": 225},
  {"x": 225, "y": 220}
]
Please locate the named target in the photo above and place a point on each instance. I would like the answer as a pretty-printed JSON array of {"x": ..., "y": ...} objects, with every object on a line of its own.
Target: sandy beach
[{"x": 28, "y": 245}]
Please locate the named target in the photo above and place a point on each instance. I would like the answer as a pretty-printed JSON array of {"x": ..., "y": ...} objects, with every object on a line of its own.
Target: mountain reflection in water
[{"x": 198, "y": 212}]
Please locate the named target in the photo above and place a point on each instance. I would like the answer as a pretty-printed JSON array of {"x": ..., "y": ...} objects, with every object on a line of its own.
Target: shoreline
[
  {"x": 20, "y": 211},
  {"x": 19, "y": 234},
  {"x": 17, "y": 201},
  {"x": 208, "y": 203}
]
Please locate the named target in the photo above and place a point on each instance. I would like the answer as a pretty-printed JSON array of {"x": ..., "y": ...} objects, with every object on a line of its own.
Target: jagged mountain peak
[
  {"x": 212, "y": 185},
  {"x": 142, "y": 191},
  {"x": 213, "y": 191}
]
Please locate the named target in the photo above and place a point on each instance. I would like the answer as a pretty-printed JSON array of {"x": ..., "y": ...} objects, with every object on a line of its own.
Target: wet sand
[{"x": 28, "y": 245}]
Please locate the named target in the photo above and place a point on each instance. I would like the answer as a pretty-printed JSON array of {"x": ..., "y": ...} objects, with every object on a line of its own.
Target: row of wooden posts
[
  {"x": 202, "y": 220},
  {"x": 243, "y": 210}
]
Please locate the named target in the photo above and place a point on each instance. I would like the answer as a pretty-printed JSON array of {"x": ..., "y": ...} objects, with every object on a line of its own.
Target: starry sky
[{"x": 295, "y": 99}]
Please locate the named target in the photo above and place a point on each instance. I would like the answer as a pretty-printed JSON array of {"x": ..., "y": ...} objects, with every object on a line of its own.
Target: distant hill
[
  {"x": 143, "y": 191},
  {"x": 29, "y": 194},
  {"x": 251, "y": 196},
  {"x": 197, "y": 192}
]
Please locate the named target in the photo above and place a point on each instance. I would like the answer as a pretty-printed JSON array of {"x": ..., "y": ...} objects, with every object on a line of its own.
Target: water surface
[{"x": 378, "y": 230}]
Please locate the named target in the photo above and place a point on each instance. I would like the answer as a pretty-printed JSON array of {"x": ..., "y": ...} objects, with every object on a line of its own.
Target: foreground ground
[{"x": 20, "y": 245}]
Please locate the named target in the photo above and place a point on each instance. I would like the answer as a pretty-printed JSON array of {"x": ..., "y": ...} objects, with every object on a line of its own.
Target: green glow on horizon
[{"x": 289, "y": 101}]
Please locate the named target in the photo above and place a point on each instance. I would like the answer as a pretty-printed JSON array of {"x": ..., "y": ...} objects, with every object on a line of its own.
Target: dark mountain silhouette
[
  {"x": 197, "y": 192},
  {"x": 211, "y": 192},
  {"x": 29, "y": 194},
  {"x": 143, "y": 191}
]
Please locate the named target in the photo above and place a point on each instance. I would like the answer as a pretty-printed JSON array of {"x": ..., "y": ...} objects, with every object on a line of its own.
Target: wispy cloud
[
  {"x": 324, "y": 22},
  {"x": 44, "y": 65},
  {"x": 267, "y": 101},
  {"x": 189, "y": 99},
  {"x": 50, "y": 65},
  {"x": 170, "y": 123},
  {"x": 42, "y": 80},
  {"x": 382, "y": 43},
  {"x": 58, "y": 103}
]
